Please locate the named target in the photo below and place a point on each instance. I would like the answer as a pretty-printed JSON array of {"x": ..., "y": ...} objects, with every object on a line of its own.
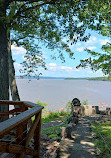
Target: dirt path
[{"x": 81, "y": 144}]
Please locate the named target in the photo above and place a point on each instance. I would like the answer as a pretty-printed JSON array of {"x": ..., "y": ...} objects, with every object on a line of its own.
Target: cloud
[
  {"x": 70, "y": 45},
  {"x": 80, "y": 49},
  {"x": 90, "y": 72},
  {"x": 17, "y": 65},
  {"x": 17, "y": 50},
  {"x": 65, "y": 68},
  {"x": 91, "y": 48},
  {"x": 78, "y": 44},
  {"x": 91, "y": 41},
  {"x": 94, "y": 40},
  {"x": 52, "y": 64},
  {"x": 103, "y": 41},
  {"x": 96, "y": 73},
  {"x": 90, "y": 44},
  {"x": 44, "y": 54},
  {"x": 55, "y": 67}
]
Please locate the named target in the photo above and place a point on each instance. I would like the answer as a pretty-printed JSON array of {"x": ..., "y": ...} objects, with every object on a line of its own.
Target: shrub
[
  {"x": 85, "y": 102},
  {"x": 68, "y": 106},
  {"x": 42, "y": 104}
]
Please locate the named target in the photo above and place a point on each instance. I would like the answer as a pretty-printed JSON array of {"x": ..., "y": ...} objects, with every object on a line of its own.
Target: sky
[{"x": 68, "y": 69}]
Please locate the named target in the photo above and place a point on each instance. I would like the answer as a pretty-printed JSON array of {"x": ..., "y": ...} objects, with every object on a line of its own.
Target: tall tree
[
  {"x": 12, "y": 81},
  {"x": 4, "y": 79},
  {"x": 48, "y": 21}
]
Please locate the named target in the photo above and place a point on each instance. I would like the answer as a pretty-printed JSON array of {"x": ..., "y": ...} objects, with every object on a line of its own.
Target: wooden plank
[
  {"x": 30, "y": 104},
  {"x": 21, "y": 155},
  {"x": 10, "y": 112},
  {"x": 20, "y": 134},
  {"x": 16, "y": 149},
  {"x": 16, "y": 120},
  {"x": 20, "y": 130},
  {"x": 32, "y": 129},
  {"x": 37, "y": 137},
  {"x": 11, "y": 102},
  {"x": 29, "y": 151},
  {"x": 25, "y": 103},
  {"x": 3, "y": 147}
]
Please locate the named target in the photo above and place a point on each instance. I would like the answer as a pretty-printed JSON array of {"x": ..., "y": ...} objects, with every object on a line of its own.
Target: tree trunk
[
  {"x": 12, "y": 80},
  {"x": 4, "y": 67}
]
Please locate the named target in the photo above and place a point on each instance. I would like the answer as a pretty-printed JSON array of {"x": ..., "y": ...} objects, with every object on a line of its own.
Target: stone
[
  {"x": 74, "y": 120},
  {"x": 66, "y": 132}
]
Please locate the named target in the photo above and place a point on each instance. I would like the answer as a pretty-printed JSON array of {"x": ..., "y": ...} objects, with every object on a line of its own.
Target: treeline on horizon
[
  {"x": 100, "y": 78},
  {"x": 108, "y": 78}
]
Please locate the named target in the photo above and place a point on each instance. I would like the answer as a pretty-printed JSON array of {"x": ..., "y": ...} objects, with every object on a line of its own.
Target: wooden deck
[{"x": 19, "y": 135}]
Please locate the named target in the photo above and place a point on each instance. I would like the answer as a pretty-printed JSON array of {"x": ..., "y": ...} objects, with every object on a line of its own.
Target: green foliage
[
  {"x": 105, "y": 130},
  {"x": 46, "y": 22},
  {"x": 50, "y": 22},
  {"x": 54, "y": 132},
  {"x": 84, "y": 102},
  {"x": 68, "y": 106},
  {"x": 55, "y": 116},
  {"x": 100, "y": 78},
  {"x": 109, "y": 77},
  {"x": 100, "y": 61},
  {"x": 42, "y": 104}
]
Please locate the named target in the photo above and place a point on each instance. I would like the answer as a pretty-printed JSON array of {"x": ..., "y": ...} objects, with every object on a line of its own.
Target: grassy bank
[
  {"x": 52, "y": 122},
  {"x": 54, "y": 116},
  {"x": 102, "y": 138},
  {"x": 55, "y": 122}
]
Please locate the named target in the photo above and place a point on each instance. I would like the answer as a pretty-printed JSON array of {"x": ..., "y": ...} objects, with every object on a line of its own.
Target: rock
[
  {"x": 94, "y": 135},
  {"x": 74, "y": 120},
  {"x": 66, "y": 132},
  {"x": 108, "y": 111}
]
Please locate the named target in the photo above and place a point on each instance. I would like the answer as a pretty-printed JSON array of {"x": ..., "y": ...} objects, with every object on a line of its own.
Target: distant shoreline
[
  {"x": 75, "y": 78},
  {"x": 100, "y": 79},
  {"x": 66, "y": 78}
]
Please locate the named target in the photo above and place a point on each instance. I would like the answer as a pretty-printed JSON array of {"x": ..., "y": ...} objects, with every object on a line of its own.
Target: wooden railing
[{"x": 20, "y": 134}]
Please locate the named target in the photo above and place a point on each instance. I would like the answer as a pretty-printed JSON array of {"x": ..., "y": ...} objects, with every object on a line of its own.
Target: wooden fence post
[
  {"x": 21, "y": 134},
  {"x": 37, "y": 136}
]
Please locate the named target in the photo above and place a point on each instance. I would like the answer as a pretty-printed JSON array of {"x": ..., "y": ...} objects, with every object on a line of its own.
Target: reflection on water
[{"x": 56, "y": 93}]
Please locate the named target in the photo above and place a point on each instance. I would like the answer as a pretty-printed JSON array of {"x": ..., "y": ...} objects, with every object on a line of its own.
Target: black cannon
[{"x": 75, "y": 107}]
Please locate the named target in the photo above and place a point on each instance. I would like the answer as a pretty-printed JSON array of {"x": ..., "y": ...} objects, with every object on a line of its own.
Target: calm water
[{"x": 56, "y": 93}]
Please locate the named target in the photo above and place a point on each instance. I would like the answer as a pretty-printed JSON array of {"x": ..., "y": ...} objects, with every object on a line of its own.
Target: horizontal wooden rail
[
  {"x": 10, "y": 112},
  {"x": 16, "y": 149},
  {"x": 14, "y": 121},
  {"x": 19, "y": 126},
  {"x": 11, "y": 102},
  {"x": 20, "y": 103}
]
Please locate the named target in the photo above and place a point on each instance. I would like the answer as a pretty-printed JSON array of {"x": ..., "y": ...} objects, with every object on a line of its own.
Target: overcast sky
[{"x": 68, "y": 69}]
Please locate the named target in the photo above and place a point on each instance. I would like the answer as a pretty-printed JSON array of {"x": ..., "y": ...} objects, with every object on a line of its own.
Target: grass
[
  {"x": 105, "y": 130},
  {"x": 53, "y": 116},
  {"x": 55, "y": 131}
]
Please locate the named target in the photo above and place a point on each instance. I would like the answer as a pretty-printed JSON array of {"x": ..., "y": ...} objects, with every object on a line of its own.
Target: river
[{"x": 57, "y": 92}]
